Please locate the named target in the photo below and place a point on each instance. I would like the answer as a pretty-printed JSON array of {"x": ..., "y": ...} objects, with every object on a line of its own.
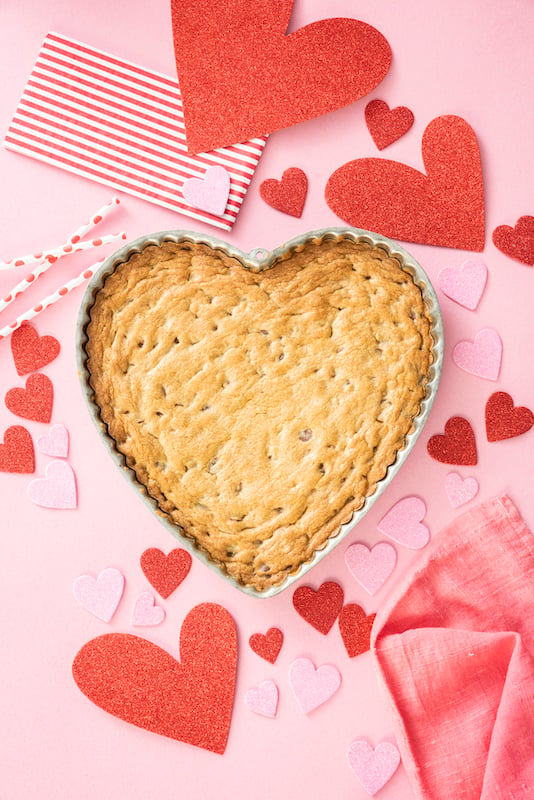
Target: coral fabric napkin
[{"x": 455, "y": 649}]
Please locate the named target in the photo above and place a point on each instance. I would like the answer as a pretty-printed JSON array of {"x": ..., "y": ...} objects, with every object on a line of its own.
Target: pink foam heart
[
  {"x": 313, "y": 687},
  {"x": 404, "y": 523},
  {"x": 460, "y": 490},
  {"x": 373, "y": 767},
  {"x": 101, "y": 595},
  {"x": 209, "y": 193},
  {"x": 55, "y": 443},
  {"x": 146, "y": 612},
  {"x": 465, "y": 284},
  {"x": 481, "y": 357},
  {"x": 263, "y": 699},
  {"x": 57, "y": 489},
  {"x": 371, "y": 567}
]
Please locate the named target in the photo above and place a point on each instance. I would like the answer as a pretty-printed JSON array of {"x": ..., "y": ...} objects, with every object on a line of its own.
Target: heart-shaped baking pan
[{"x": 261, "y": 402}]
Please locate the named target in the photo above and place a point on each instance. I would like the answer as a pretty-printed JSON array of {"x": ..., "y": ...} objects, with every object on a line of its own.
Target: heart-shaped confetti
[
  {"x": 517, "y": 242},
  {"x": 355, "y": 627},
  {"x": 288, "y": 194},
  {"x": 313, "y": 687},
  {"x": 101, "y": 595},
  {"x": 263, "y": 699},
  {"x": 57, "y": 489},
  {"x": 165, "y": 572},
  {"x": 319, "y": 607},
  {"x": 504, "y": 420},
  {"x": 16, "y": 452},
  {"x": 457, "y": 445},
  {"x": 373, "y": 767},
  {"x": 145, "y": 611},
  {"x": 267, "y": 645},
  {"x": 386, "y": 124},
  {"x": 30, "y": 351},
  {"x": 209, "y": 193},
  {"x": 54, "y": 443},
  {"x": 189, "y": 700},
  {"x": 460, "y": 490},
  {"x": 371, "y": 567},
  {"x": 404, "y": 523},
  {"x": 464, "y": 284},
  {"x": 443, "y": 207},
  {"x": 34, "y": 401},
  {"x": 482, "y": 357}
]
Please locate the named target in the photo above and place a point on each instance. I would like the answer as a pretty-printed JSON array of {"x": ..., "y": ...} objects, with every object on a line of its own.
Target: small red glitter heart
[
  {"x": 320, "y": 608},
  {"x": 355, "y": 628},
  {"x": 34, "y": 401},
  {"x": 16, "y": 453},
  {"x": 503, "y": 420},
  {"x": 165, "y": 572},
  {"x": 456, "y": 446},
  {"x": 387, "y": 125},
  {"x": 31, "y": 351},
  {"x": 288, "y": 194},
  {"x": 267, "y": 645},
  {"x": 517, "y": 242}
]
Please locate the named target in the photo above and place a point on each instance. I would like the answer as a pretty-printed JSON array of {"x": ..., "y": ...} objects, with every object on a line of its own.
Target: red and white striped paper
[{"x": 121, "y": 125}]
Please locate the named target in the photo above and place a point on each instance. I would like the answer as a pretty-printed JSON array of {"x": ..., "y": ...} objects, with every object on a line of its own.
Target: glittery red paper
[
  {"x": 139, "y": 682},
  {"x": 517, "y": 242},
  {"x": 165, "y": 572},
  {"x": 503, "y": 420},
  {"x": 34, "y": 401},
  {"x": 241, "y": 76},
  {"x": 320, "y": 608},
  {"x": 288, "y": 194},
  {"x": 443, "y": 207},
  {"x": 267, "y": 645},
  {"x": 355, "y": 628},
  {"x": 456, "y": 446},
  {"x": 386, "y": 124},
  {"x": 16, "y": 453},
  {"x": 31, "y": 351}
]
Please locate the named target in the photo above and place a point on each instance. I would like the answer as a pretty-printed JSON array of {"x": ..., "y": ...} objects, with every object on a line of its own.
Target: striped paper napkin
[{"x": 121, "y": 125}]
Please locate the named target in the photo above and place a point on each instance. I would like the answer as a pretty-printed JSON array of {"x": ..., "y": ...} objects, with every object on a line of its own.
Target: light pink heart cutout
[
  {"x": 373, "y": 767},
  {"x": 55, "y": 443},
  {"x": 465, "y": 284},
  {"x": 263, "y": 699},
  {"x": 481, "y": 357},
  {"x": 100, "y": 596},
  {"x": 313, "y": 687},
  {"x": 460, "y": 490},
  {"x": 371, "y": 567},
  {"x": 145, "y": 611},
  {"x": 209, "y": 193},
  {"x": 404, "y": 523},
  {"x": 57, "y": 489}
]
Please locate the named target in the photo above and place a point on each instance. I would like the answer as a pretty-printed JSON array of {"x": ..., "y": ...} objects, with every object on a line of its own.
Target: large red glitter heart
[
  {"x": 141, "y": 683},
  {"x": 165, "y": 572},
  {"x": 320, "y": 608},
  {"x": 355, "y": 628},
  {"x": 34, "y": 401},
  {"x": 503, "y": 420},
  {"x": 445, "y": 207},
  {"x": 456, "y": 446},
  {"x": 517, "y": 242},
  {"x": 31, "y": 351},
  {"x": 241, "y": 76}
]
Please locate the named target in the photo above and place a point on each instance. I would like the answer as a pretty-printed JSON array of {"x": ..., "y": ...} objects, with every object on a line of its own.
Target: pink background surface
[{"x": 474, "y": 59}]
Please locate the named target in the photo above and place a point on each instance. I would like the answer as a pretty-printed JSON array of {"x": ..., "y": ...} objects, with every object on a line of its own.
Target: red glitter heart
[
  {"x": 141, "y": 683},
  {"x": 16, "y": 453},
  {"x": 503, "y": 421},
  {"x": 320, "y": 608},
  {"x": 517, "y": 242},
  {"x": 267, "y": 645},
  {"x": 288, "y": 194},
  {"x": 34, "y": 401},
  {"x": 445, "y": 207},
  {"x": 456, "y": 446},
  {"x": 355, "y": 628},
  {"x": 165, "y": 572},
  {"x": 387, "y": 125},
  {"x": 31, "y": 351},
  {"x": 242, "y": 76}
]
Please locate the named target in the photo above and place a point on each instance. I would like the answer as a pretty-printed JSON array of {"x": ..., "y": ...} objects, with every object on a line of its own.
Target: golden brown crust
[{"x": 259, "y": 409}]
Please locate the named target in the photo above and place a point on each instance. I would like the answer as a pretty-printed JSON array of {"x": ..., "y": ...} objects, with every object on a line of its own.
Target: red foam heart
[
  {"x": 503, "y": 420},
  {"x": 355, "y": 628},
  {"x": 443, "y": 207},
  {"x": 517, "y": 242},
  {"x": 456, "y": 446},
  {"x": 288, "y": 194},
  {"x": 31, "y": 351},
  {"x": 267, "y": 645},
  {"x": 141, "y": 683},
  {"x": 165, "y": 572},
  {"x": 34, "y": 401},
  {"x": 320, "y": 608},
  {"x": 16, "y": 453},
  {"x": 241, "y": 76},
  {"x": 387, "y": 125}
]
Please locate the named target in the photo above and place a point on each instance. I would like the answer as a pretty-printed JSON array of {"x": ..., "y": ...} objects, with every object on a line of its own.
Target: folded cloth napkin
[{"x": 455, "y": 649}]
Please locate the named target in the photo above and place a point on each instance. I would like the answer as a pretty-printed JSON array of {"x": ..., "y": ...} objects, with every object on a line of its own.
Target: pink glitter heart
[
  {"x": 371, "y": 567},
  {"x": 313, "y": 687},
  {"x": 481, "y": 357},
  {"x": 55, "y": 443},
  {"x": 373, "y": 767},
  {"x": 460, "y": 490},
  {"x": 100, "y": 596},
  {"x": 465, "y": 284},
  {"x": 263, "y": 699},
  {"x": 209, "y": 193},
  {"x": 57, "y": 489},
  {"x": 146, "y": 612},
  {"x": 403, "y": 523}
]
